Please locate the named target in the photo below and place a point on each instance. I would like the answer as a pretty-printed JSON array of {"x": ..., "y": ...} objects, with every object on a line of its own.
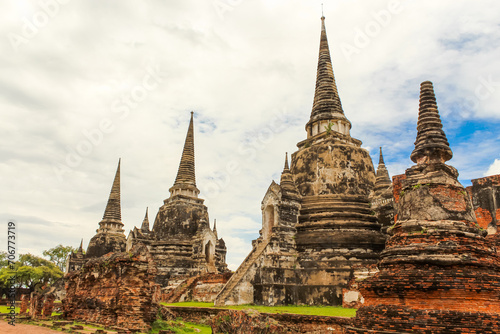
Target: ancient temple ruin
[
  {"x": 317, "y": 223},
  {"x": 181, "y": 242},
  {"x": 438, "y": 273}
]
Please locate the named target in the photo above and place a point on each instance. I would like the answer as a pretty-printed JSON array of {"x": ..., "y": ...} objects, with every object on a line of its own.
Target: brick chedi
[
  {"x": 181, "y": 240},
  {"x": 382, "y": 200},
  {"x": 320, "y": 212},
  {"x": 438, "y": 273}
]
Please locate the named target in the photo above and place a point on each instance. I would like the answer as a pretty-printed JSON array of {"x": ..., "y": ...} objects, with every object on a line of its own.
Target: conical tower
[
  {"x": 185, "y": 182},
  {"x": 287, "y": 183},
  {"x": 145, "y": 223},
  {"x": 112, "y": 218},
  {"x": 334, "y": 177},
  {"x": 382, "y": 180},
  {"x": 431, "y": 144},
  {"x": 110, "y": 235},
  {"x": 437, "y": 262},
  {"x": 327, "y": 113}
]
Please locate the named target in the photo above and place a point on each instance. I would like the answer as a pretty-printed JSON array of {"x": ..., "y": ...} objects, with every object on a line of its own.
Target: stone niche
[{"x": 117, "y": 289}]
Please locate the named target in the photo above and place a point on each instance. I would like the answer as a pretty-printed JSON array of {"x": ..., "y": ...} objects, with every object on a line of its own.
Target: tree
[
  {"x": 30, "y": 271},
  {"x": 59, "y": 255}
]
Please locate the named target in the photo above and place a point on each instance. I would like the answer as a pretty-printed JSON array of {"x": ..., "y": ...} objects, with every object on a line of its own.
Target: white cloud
[{"x": 494, "y": 168}]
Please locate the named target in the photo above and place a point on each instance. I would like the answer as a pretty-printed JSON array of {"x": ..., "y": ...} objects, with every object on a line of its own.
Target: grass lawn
[
  {"x": 331, "y": 311},
  {"x": 5, "y": 309},
  {"x": 179, "y": 327}
]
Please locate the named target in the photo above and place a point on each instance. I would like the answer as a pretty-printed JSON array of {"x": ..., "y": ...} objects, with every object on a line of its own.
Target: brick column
[
  {"x": 48, "y": 305},
  {"x": 25, "y": 301}
]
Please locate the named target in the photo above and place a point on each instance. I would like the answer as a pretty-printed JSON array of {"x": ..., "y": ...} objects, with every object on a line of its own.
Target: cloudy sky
[{"x": 83, "y": 83}]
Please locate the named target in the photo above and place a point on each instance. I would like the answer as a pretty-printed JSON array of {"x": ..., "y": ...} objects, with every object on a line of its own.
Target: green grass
[
  {"x": 5, "y": 309},
  {"x": 179, "y": 327},
  {"x": 331, "y": 311}
]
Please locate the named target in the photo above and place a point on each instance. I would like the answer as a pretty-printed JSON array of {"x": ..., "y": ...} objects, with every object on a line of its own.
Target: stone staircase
[
  {"x": 240, "y": 272},
  {"x": 176, "y": 294}
]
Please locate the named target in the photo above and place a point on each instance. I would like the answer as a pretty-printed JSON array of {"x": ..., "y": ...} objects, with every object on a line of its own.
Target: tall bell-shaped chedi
[
  {"x": 110, "y": 235},
  {"x": 317, "y": 224},
  {"x": 438, "y": 274},
  {"x": 336, "y": 229},
  {"x": 182, "y": 241}
]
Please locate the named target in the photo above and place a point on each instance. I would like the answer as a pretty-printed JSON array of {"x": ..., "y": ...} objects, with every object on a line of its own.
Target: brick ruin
[
  {"x": 420, "y": 253},
  {"x": 317, "y": 223},
  {"x": 117, "y": 289},
  {"x": 438, "y": 273},
  {"x": 485, "y": 193}
]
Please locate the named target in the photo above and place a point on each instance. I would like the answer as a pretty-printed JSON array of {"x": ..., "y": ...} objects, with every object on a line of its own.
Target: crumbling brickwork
[
  {"x": 438, "y": 273},
  {"x": 485, "y": 193},
  {"x": 114, "y": 290}
]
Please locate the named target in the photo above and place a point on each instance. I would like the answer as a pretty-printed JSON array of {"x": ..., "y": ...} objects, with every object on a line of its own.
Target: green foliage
[
  {"x": 416, "y": 186},
  {"x": 328, "y": 128},
  {"x": 59, "y": 255},
  {"x": 6, "y": 309},
  {"x": 3, "y": 259},
  {"x": 335, "y": 311},
  {"x": 179, "y": 327},
  {"x": 31, "y": 271}
]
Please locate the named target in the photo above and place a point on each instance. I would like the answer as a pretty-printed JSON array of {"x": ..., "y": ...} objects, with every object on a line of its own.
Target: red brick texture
[
  {"x": 438, "y": 273},
  {"x": 114, "y": 290}
]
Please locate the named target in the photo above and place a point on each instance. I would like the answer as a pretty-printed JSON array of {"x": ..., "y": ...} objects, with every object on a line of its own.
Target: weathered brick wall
[
  {"x": 399, "y": 319},
  {"x": 115, "y": 290},
  {"x": 438, "y": 273},
  {"x": 25, "y": 302},
  {"x": 208, "y": 287},
  {"x": 485, "y": 194}
]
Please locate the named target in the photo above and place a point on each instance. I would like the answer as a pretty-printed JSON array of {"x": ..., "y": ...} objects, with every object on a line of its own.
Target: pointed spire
[
  {"x": 326, "y": 105},
  {"x": 113, "y": 208},
  {"x": 382, "y": 181},
  {"x": 431, "y": 144},
  {"x": 215, "y": 225},
  {"x": 186, "y": 172},
  {"x": 286, "y": 181},
  {"x": 286, "y": 161},
  {"x": 80, "y": 249},
  {"x": 381, "y": 157},
  {"x": 145, "y": 222}
]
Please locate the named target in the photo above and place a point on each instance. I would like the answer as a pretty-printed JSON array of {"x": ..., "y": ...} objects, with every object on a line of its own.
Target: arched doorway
[
  {"x": 209, "y": 252},
  {"x": 267, "y": 226}
]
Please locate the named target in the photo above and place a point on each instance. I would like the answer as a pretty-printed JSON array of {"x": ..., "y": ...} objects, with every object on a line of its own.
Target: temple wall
[{"x": 114, "y": 290}]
